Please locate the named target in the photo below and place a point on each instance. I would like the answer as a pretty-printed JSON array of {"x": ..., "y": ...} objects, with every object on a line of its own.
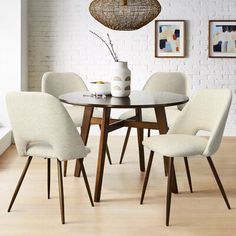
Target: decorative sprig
[{"x": 110, "y": 47}]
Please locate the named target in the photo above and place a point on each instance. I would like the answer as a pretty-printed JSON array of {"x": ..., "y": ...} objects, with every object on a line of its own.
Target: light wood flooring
[{"x": 119, "y": 213}]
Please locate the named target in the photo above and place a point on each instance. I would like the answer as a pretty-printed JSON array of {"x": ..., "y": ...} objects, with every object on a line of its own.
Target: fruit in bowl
[
  {"x": 99, "y": 82},
  {"x": 100, "y": 88}
]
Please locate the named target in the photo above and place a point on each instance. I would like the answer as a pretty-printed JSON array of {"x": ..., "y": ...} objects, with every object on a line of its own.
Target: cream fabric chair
[
  {"x": 174, "y": 82},
  {"x": 58, "y": 83},
  {"x": 207, "y": 111},
  {"x": 43, "y": 128}
]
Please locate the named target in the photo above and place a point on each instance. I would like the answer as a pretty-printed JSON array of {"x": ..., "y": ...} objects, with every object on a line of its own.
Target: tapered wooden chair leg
[
  {"x": 65, "y": 168},
  {"x": 218, "y": 181},
  {"x": 19, "y": 183},
  {"x": 169, "y": 190},
  {"x": 149, "y": 133},
  {"x": 108, "y": 155},
  {"x": 147, "y": 176},
  {"x": 61, "y": 191},
  {"x": 125, "y": 144},
  {"x": 188, "y": 174},
  {"x": 107, "y": 152},
  {"x": 86, "y": 181},
  {"x": 48, "y": 176}
]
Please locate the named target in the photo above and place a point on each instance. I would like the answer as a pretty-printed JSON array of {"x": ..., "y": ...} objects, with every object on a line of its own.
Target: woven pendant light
[{"x": 125, "y": 14}]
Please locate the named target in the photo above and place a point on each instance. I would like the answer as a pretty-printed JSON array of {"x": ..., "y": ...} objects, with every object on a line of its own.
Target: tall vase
[{"x": 121, "y": 81}]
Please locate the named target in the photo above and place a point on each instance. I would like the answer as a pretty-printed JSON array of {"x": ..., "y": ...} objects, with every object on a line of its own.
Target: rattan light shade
[{"x": 125, "y": 14}]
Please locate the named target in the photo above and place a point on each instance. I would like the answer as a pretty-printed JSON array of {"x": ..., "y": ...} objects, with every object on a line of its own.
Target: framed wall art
[
  {"x": 169, "y": 38},
  {"x": 222, "y": 38}
]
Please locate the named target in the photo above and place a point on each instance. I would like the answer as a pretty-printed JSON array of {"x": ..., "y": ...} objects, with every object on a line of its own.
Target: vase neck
[{"x": 122, "y": 64}]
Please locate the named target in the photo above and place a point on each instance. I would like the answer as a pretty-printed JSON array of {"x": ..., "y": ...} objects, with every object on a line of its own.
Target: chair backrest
[
  {"x": 174, "y": 82},
  {"x": 40, "y": 117},
  {"x": 207, "y": 111},
  {"x": 57, "y": 83}
]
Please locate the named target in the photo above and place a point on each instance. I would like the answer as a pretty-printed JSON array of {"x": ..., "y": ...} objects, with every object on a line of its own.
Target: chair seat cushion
[
  {"x": 42, "y": 149},
  {"x": 176, "y": 145},
  {"x": 77, "y": 113},
  {"x": 148, "y": 115}
]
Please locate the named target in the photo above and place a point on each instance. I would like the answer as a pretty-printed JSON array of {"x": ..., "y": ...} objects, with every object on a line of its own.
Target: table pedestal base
[{"x": 108, "y": 125}]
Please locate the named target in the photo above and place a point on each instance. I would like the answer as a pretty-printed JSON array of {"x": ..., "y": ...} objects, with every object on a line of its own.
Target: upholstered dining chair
[
  {"x": 58, "y": 83},
  {"x": 207, "y": 111},
  {"x": 43, "y": 128},
  {"x": 174, "y": 82}
]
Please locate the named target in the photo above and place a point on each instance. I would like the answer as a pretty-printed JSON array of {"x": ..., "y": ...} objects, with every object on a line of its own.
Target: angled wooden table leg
[
  {"x": 163, "y": 129},
  {"x": 102, "y": 152},
  {"x": 140, "y": 140},
  {"x": 88, "y": 113}
]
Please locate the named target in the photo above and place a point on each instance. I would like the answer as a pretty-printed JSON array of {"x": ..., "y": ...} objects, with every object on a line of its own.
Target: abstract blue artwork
[
  {"x": 222, "y": 39},
  {"x": 169, "y": 39}
]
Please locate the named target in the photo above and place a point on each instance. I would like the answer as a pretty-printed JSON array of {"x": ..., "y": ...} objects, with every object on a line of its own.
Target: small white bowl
[{"x": 100, "y": 89}]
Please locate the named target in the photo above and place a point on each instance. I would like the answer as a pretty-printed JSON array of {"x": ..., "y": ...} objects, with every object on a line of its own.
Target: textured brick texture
[{"x": 59, "y": 40}]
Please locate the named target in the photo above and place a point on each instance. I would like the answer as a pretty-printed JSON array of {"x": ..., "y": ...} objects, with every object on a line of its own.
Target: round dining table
[{"x": 137, "y": 100}]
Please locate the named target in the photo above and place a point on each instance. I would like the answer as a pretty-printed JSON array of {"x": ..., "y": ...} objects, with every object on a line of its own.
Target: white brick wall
[{"x": 59, "y": 40}]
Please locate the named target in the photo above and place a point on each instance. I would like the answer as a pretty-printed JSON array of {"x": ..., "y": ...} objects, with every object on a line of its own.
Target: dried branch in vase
[{"x": 108, "y": 45}]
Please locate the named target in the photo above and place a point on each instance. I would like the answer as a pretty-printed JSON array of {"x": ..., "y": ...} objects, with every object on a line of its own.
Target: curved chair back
[
  {"x": 207, "y": 111},
  {"x": 56, "y": 83},
  {"x": 41, "y": 118},
  {"x": 174, "y": 82}
]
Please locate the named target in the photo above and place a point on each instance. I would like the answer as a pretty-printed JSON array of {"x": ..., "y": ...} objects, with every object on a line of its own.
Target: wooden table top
[{"x": 137, "y": 99}]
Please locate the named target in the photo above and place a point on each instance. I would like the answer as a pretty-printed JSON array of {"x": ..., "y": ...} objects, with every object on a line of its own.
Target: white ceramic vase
[{"x": 121, "y": 81}]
